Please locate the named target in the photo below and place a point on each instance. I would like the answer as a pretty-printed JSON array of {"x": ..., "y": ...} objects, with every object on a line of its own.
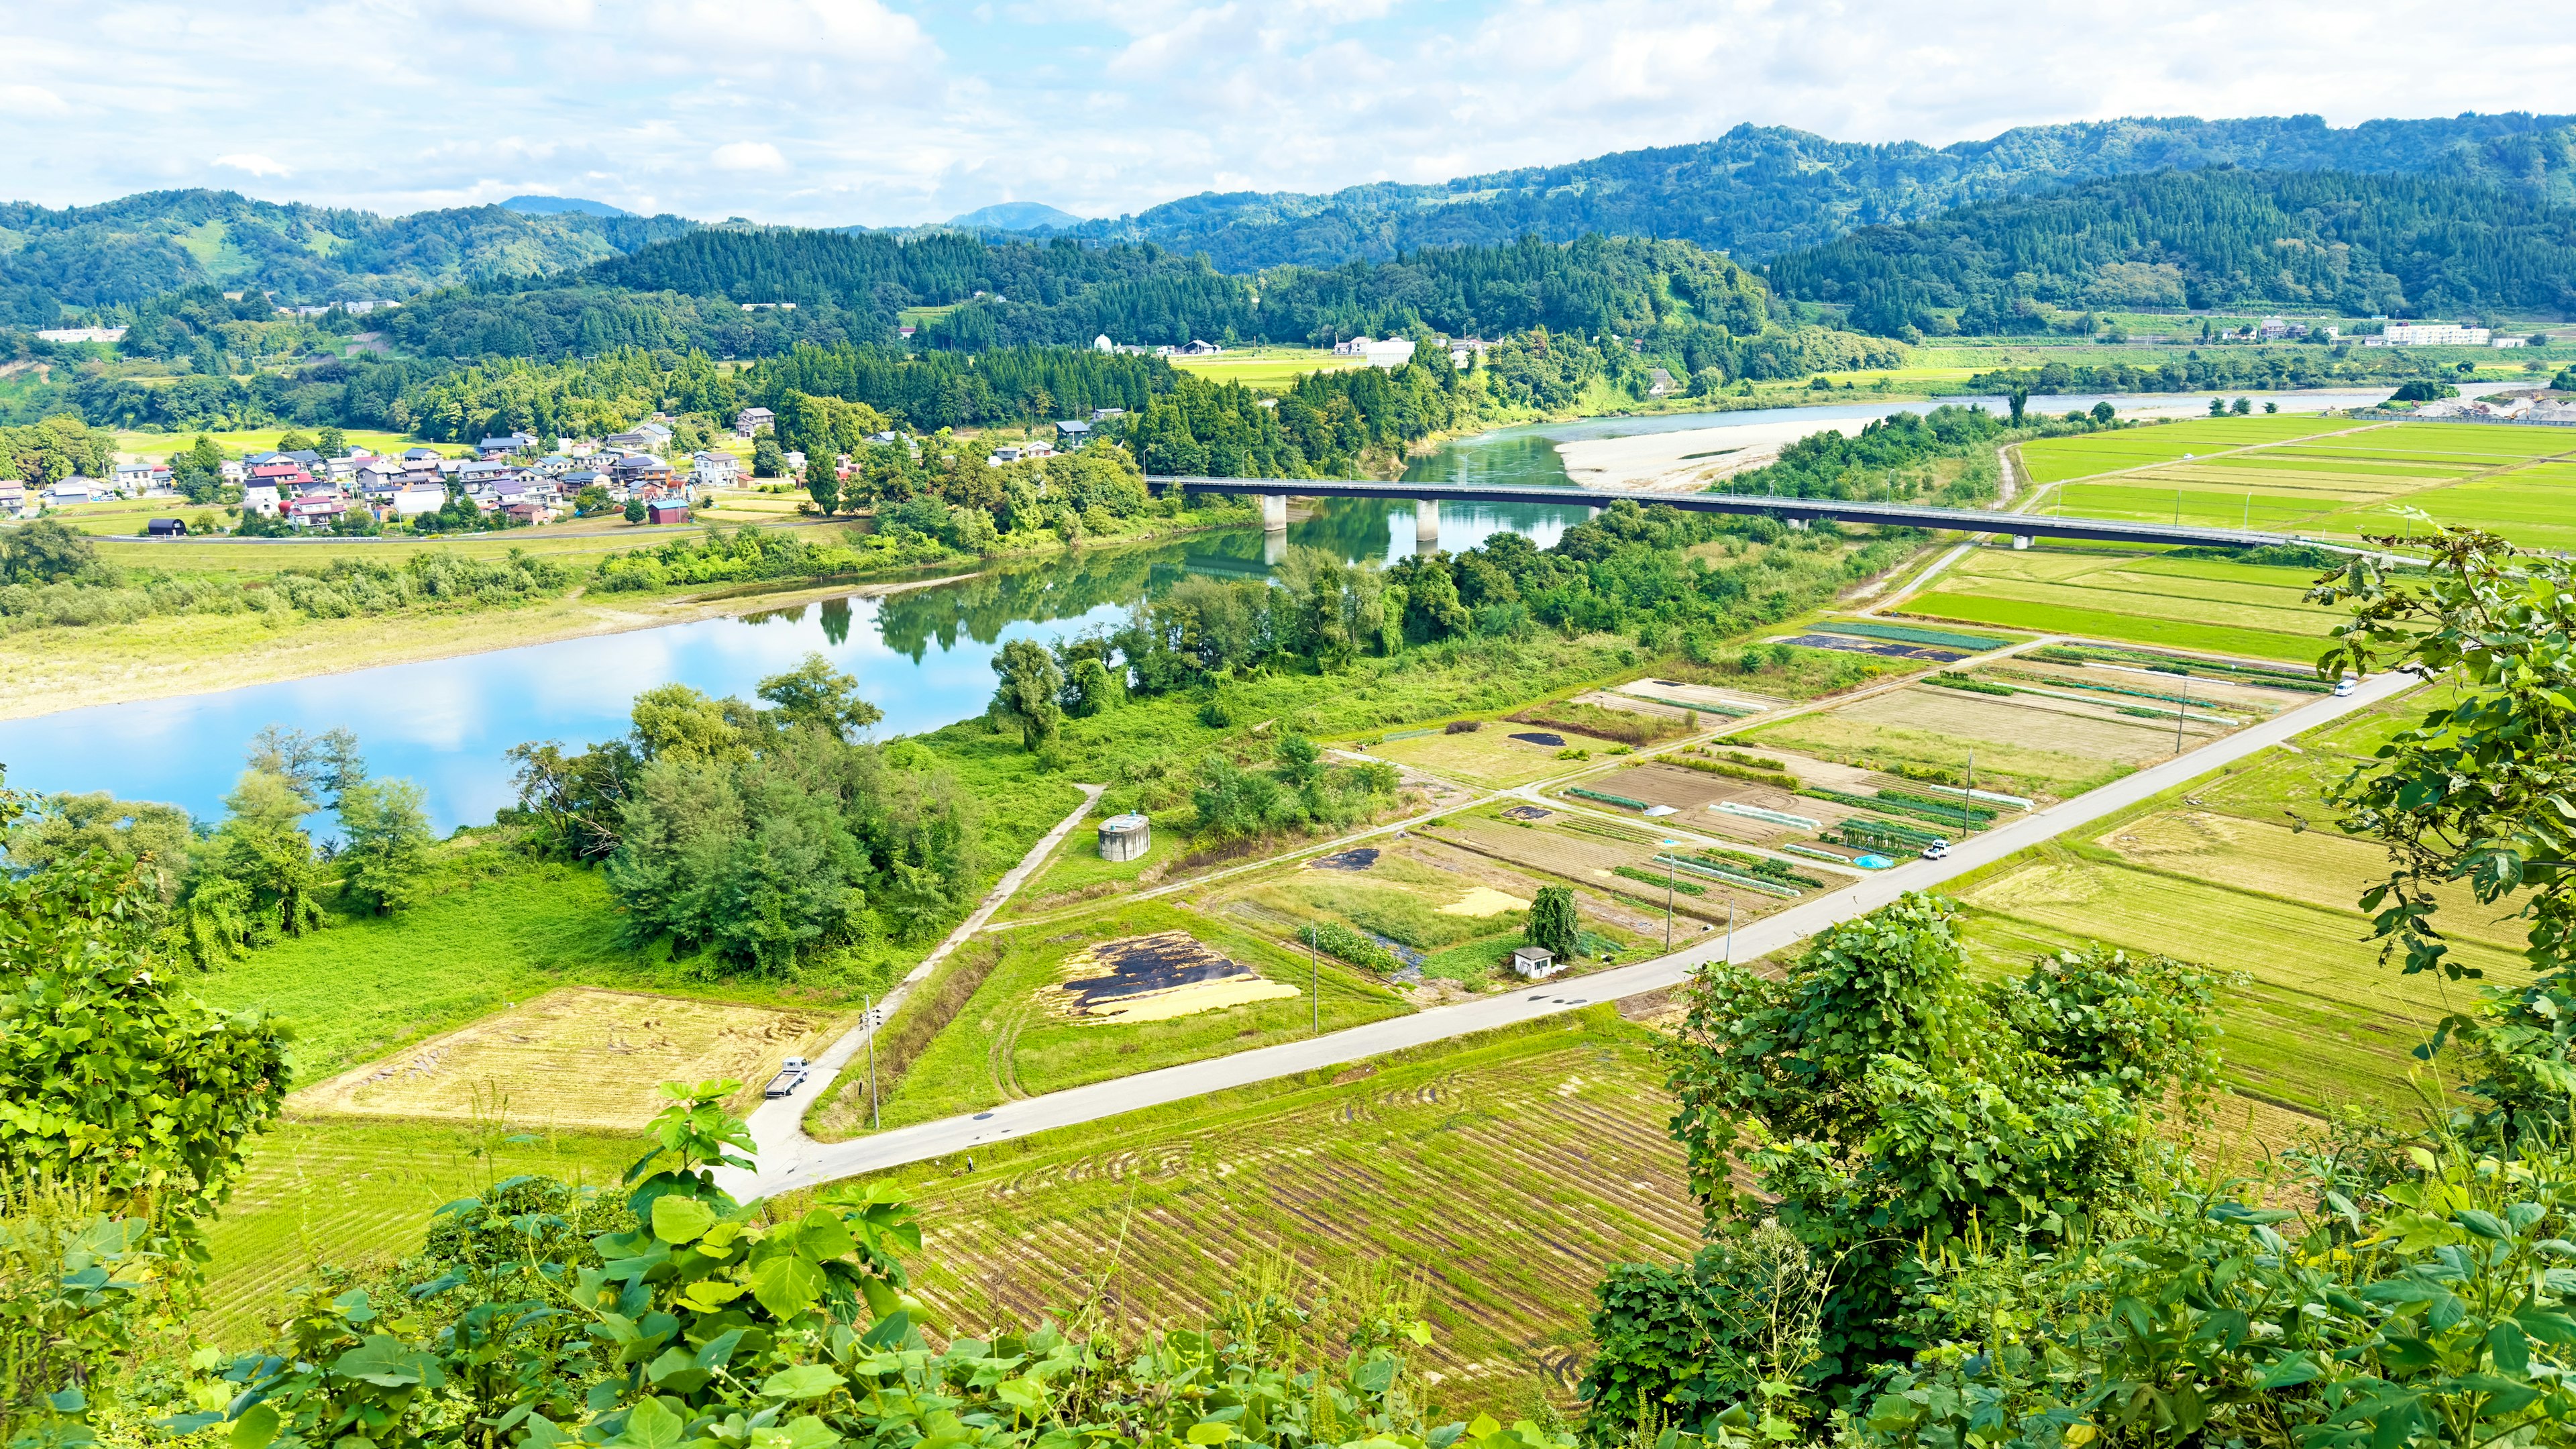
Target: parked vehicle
[
  {"x": 1936, "y": 850},
  {"x": 791, "y": 1075}
]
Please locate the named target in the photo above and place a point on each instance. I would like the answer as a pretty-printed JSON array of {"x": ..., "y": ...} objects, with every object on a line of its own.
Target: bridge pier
[
  {"x": 1274, "y": 546},
  {"x": 1274, "y": 513},
  {"x": 2021, "y": 540},
  {"x": 1799, "y": 524},
  {"x": 1426, "y": 525}
]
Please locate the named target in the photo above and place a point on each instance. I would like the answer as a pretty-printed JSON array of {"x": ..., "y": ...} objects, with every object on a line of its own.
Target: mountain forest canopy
[
  {"x": 1758, "y": 191},
  {"x": 2357, "y": 245},
  {"x": 139, "y": 246}
]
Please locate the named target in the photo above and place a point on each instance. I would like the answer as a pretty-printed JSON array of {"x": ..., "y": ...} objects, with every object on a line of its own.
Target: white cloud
[
  {"x": 32, "y": 100},
  {"x": 903, "y": 110},
  {"x": 254, "y": 163},
  {"x": 747, "y": 156}
]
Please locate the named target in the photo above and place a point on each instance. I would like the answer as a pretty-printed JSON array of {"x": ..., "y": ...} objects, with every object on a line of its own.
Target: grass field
[
  {"x": 350, "y": 1194},
  {"x": 134, "y": 445},
  {"x": 361, "y": 989},
  {"x": 1266, "y": 369},
  {"x": 2326, "y": 477},
  {"x": 2203, "y": 604},
  {"x": 1488, "y": 758},
  {"x": 1506, "y": 1171},
  {"x": 1017, "y": 1036},
  {"x": 2022, "y": 750}
]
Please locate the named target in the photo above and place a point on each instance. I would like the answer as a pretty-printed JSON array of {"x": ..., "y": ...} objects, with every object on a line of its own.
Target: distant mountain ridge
[
  {"x": 561, "y": 205},
  {"x": 1759, "y": 191},
  {"x": 160, "y": 241},
  {"x": 1017, "y": 216}
]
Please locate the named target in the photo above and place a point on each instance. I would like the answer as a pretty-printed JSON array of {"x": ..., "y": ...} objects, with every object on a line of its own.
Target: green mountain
[
  {"x": 558, "y": 205},
  {"x": 2349, "y": 244},
  {"x": 1016, "y": 216},
  {"x": 1759, "y": 191},
  {"x": 144, "y": 245}
]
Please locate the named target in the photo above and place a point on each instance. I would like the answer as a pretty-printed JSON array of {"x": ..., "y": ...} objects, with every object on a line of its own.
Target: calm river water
[{"x": 923, "y": 656}]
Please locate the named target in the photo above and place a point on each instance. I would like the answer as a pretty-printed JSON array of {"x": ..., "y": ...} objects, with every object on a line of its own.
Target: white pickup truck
[{"x": 791, "y": 1075}]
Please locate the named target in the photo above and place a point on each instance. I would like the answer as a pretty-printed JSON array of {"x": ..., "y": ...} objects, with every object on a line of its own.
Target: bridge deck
[{"x": 1906, "y": 515}]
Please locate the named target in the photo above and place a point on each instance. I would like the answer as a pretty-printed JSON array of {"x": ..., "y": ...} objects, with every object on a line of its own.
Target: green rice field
[
  {"x": 2196, "y": 604},
  {"x": 2328, "y": 478}
]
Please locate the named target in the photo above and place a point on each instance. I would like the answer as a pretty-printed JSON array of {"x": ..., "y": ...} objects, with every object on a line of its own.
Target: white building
[
  {"x": 1387, "y": 352},
  {"x": 411, "y": 500},
  {"x": 1102, "y": 343},
  {"x": 2433, "y": 334},
  {"x": 2510, "y": 342},
  {"x": 82, "y": 334},
  {"x": 752, "y": 420},
  {"x": 715, "y": 470},
  {"x": 261, "y": 498}
]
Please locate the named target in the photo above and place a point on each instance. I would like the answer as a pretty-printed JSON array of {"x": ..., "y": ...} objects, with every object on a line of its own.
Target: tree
[
  {"x": 292, "y": 441},
  {"x": 823, "y": 482},
  {"x": 2244, "y": 406},
  {"x": 115, "y": 1080},
  {"x": 332, "y": 443},
  {"x": 63, "y": 827},
  {"x": 816, "y": 695},
  {"x": 2104, "y": 414},
  {"x": 1552, "y": 925},
  {"x": 591, "y": 500},
  {"x": 2474, "y": 795},
  {"x": 2217, "y": 406},
  {"x": 1891, "y": 1110},
  {"x": 767, "y": 459},
  {"x": 45, "y": 551},
  {"x": 388, "y": 843},
  {"x": 256, "y": 878},
  {"x": 635, "y": 510},
  {"x": 1026, "y": 695},
  {"x": 2019, "y": 401}
]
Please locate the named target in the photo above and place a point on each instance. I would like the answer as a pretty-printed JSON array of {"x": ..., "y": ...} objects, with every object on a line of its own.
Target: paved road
[
  {"x": 820, "y": 1163},
  {"x": 778, "y": 1125}
]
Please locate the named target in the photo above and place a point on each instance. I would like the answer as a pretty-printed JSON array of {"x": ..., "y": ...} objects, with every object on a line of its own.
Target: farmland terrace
[{"x": 1789, "y": 510}]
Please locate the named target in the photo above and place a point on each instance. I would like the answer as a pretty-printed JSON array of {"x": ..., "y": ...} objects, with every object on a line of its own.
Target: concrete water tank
[{"x": 1125, "y": 837}]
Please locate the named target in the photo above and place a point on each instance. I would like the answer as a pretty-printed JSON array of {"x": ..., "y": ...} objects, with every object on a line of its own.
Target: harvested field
[
  {"x": 2317, "y": 1020},
  {"x": 573, "y": 1058},
  {"x": 1508, "y": 1172},
  {"x": 1489, "y": 759},
  {"x": 2315, "y": 867},
  {"x": 2043, "y": 750},
  {"x": 1158, "y": 977}
]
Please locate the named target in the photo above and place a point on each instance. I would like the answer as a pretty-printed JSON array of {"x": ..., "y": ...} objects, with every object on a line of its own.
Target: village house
[
  {"x": 715, "y": 470},
  {"x": 1073, "y": 434},
  {"x": 505, "y": 445},
  {"x": 752, "y": 420},
  {"x": 13, "y": 497},
  {"x": 261, "y": 498},
  {"x": 411, "y": 500},
  {"x": 319, "y": 510}
]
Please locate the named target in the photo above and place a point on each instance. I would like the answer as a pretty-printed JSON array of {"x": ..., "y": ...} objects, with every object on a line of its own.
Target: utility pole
[
  {"x": 1730, "y": 933},
  {"x": 2180, "y": 710},
  {"x": 1669, "y": 867},
  {"x": 868, "y": 1005},
  {"x": 1314, "y": 980}
]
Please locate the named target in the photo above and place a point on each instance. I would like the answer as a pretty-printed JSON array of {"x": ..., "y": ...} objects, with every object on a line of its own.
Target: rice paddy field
[
  {"x": 353, "y": 1194},
  {"x": 2327, "y": 478},
  {"x": 578, "y": 1058},
  {"x": 2213, "y": 873},
  {"x": 1266, "y": 369},
  {"x": 1506, "y": 1172},
  {"x": 1029, "y": 1026},
  {"x": 2210, "y": 605}
]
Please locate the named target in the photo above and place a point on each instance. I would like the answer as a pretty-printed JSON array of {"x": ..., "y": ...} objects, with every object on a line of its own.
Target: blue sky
[{"x": 895, "y": 111}]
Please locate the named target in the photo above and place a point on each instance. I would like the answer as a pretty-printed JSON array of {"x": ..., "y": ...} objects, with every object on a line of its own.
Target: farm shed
[
  {"x": 1534, "y": 963},
  {"x": 1125, "y": 837}
]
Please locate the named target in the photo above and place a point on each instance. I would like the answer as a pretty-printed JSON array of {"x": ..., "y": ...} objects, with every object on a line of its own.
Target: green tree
[
  {"x": 332, "y": 443},
  {"x": 823, "y": 482},
  {"x": 2244, "y": 406},
  {"x": 2217, "y": 406},
  {"x": 292, "y": 441},
  {"x": 63, "y": 827},
  {"x": 816, "y": 695},
  {"x": 256, "y": 878},
  {"x": 591, "y": 500},
  {"x": 1031, "y": 680},
  {"x": 767, "y": 459},
  {"x": 1552, "y": 925},
  {"x": 45, "y": 551},
  {"x": 635, "y": 510},
  {"x": 2104, "y": 414},
  {"x": 387, "y": 853}
]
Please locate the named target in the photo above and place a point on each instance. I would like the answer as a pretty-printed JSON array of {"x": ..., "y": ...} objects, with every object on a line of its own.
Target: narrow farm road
[
  {"x": 804, "y": 1163},
  {"x": 778, "y": 1125}
]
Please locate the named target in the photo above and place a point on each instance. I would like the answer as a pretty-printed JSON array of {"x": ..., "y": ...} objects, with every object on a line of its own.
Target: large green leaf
[
  {"x": 679, "y": 1219},
  {"x": 805, "y": 1381},
  {"x": 383, "y": 1361},
  {"x": 787, "y": 1286}
]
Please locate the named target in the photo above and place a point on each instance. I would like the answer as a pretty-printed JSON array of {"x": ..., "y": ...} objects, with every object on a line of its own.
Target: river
[{"x": 923, "y": 656}]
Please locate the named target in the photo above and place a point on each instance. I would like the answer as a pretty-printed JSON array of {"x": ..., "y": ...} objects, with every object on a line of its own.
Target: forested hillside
[
  {"x": 143, "y": 245},
  {"x": 1761, "y": 190},
  {"x": 2356, "y": 245},
  {"x": 852, "y": 288}
]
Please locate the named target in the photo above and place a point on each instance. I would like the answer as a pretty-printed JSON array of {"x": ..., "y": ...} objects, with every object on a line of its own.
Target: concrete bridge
[{"x": 1274, "y": 494}]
